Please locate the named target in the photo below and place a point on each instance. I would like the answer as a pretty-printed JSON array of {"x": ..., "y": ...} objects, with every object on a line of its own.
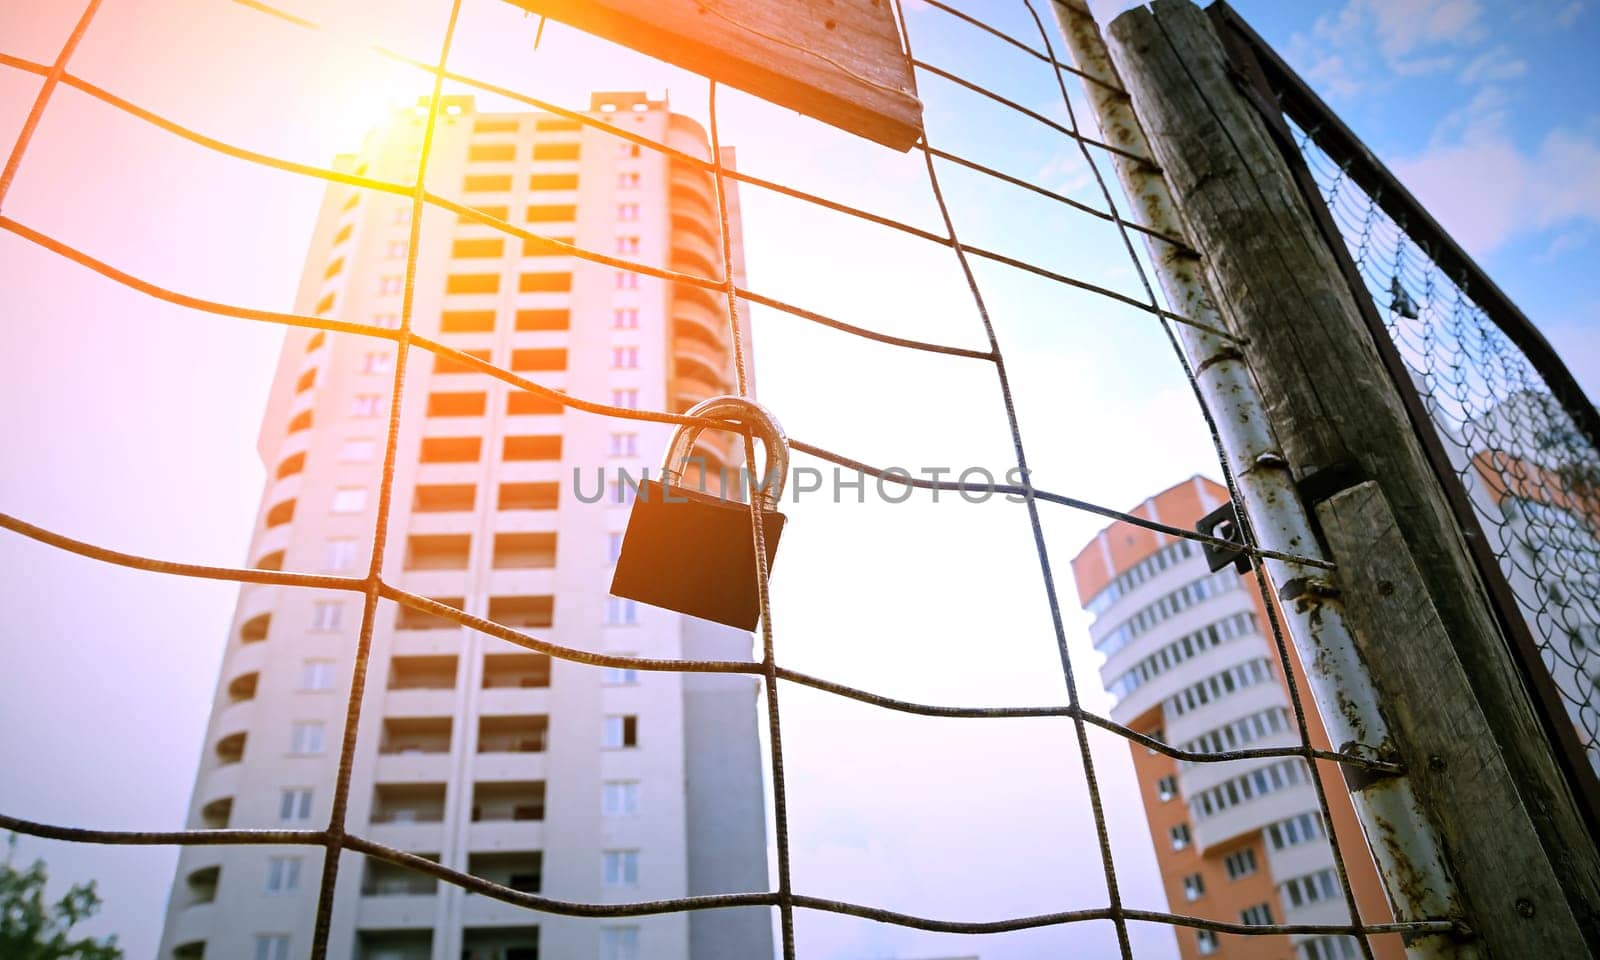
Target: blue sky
[{"x": 1486, "y": 109}]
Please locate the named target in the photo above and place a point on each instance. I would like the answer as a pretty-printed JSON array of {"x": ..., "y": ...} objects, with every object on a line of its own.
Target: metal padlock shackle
[{"x": 746, "y": 412}]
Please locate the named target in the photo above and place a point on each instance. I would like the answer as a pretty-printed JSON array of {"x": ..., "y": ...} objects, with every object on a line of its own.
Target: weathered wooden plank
[
  {"x": 1333, "y": 407},
  {"x": 839, "y": 61},
  {"x": 1402, "y": 638}
]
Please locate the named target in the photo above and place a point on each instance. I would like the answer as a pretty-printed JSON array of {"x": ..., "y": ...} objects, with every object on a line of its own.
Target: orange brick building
[{"x": 1190, "y": 661}]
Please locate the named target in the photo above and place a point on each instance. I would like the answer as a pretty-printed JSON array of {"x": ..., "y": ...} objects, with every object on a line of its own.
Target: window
[
  {"x": 387, "y": 321},
  {"x": 625, "y": 318},
  {"x": 1311, "y": 888},
  {"x": 283, "y": 874},
  {"x": 1240, "y": 863},
  {"x": 628, "y": 149},
  {"x": 390, "y": 284},
  {"x": 339, "y": 555},
  {"x": 272, "y": 946},
  {"x": 627, "y": 180},
  {"x": 619, "y": 943},
  {"x": 365, "y": 404},
  {"x": 305, "y": 737},
  {"x": 624, "y": 492},
  {"x": 621, "y": 730},
  {"x": 1180, "y": 836},
  {"x": 1295, "y": 830},
  {"x": 294, "y": 805},
  {"x": 1258, "y": 915},
  {"x": 1194, "y": 887},
  {"x": 620, "y": 868},
  {"x": 627, "y": 280},
  {"x": 402, "y": 215},
  {"x": 627, "y": 211},
  {"x": 619, "y": 676},
  {"x": 613, "y": 547},
  {"x": 396, "y": 250},
  {"x": 377, "y": 361},
  {"x": 619, "y": 798},
  {"x": 627, "y": 399},
  {"x": 325, "y": 615},
  {"x": 1328, "y": 948},
  {"x": 316, "y": 675},
  {"x": 627, "y": 244},
  {"x": 349, "y": 499},
  {"x": 624, "y": 444},
  {"x": 1206, "y": 941},
  {"x": 1167, "y": 787},
  {"x": 358, "y": 451},
  {"x": 625, "y": 358},
  {"x": 621, "y": 612}
]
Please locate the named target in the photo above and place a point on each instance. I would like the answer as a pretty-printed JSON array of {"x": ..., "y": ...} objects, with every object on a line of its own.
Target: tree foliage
[{"x": 31, "y": 929}]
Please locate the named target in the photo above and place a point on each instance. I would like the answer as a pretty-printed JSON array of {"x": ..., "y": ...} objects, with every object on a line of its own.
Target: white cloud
[
  {"x": 1486, "y": 192},
  {"x": 1493, "y": 66}
]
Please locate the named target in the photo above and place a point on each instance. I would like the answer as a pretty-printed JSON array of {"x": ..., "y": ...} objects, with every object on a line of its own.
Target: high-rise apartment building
[
  {"x": 580, "y": 783},
  {"x": 1190, "y": 662}
]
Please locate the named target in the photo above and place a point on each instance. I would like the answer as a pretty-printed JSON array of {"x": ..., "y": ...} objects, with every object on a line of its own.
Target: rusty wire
[{"x": 335, "y": 838}]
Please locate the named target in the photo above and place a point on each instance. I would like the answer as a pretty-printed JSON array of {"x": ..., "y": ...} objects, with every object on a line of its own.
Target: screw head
[
  {"x": 1436, "y": 763},
  {"x": 1385, "y": 588},
  {"x": 1524, "y": 907}
]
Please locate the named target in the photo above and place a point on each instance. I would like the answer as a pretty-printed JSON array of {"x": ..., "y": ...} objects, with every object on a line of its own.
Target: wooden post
[{"x": 1528, "y": 871}]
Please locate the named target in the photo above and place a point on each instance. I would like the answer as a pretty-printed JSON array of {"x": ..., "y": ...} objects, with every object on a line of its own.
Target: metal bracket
[{"x": 1223, "y": 523}]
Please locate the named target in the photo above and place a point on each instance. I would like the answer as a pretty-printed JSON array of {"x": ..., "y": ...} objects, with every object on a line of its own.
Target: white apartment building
[{"x": 575, "y": 782}]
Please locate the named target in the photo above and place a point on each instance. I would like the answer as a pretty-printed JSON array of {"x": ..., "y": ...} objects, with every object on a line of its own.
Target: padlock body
[{"x": 693, "y": 553}]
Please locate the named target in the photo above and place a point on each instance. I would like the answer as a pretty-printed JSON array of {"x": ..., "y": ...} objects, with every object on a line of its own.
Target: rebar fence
[{"x": 1511, "y": 437}]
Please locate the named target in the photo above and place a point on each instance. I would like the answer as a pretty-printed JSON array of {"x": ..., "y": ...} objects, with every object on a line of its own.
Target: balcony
[
  {"x": 408, "y": 618},
  {"x": 696, "y": 354},
  {"x": 401, "y": 803},
  {"x": 411, "y": 736},
  {"x": 524, "y": 551},
  {"x": 519, "y": 612},
  {"x": 200, "y": 886},
  {"x": 508, "y": 801},
  {"x": 438, "y": 551},
  {"x": 384, "y": 879},
  {"x": 501, "y": 943},
  {"x": 216, "y": 814},
  {"x": 422, "y": 673},
  {"x": 254, "y": 630},
  {"x": 513, "y": 734},
  {"x": 242, "y": 689},
  {"x": 522, "y": 670},
  {"x": 528, "y": 496},
  {"x": 230, "y": 749},
  {"x": 394, "y": 944},
  {"x": 521, "y": 870},
  {"x": 445, "y": 498}
]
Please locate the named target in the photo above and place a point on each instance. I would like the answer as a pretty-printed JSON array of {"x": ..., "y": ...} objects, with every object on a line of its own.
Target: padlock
[{"x": 692, "y": 551}]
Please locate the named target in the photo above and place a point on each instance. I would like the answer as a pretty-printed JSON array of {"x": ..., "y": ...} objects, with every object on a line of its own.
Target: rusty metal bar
[{"x": 1404, "y": 843}]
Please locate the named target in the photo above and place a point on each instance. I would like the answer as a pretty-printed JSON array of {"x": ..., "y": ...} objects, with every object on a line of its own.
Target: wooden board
[{"x": 839, "y": 61}]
